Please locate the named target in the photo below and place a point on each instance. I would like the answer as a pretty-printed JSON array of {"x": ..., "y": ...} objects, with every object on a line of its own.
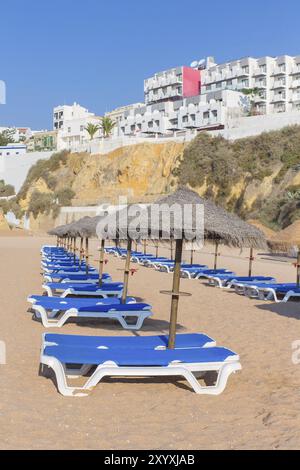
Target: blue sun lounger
[
  {"x": 196, "y": 273},
  {"x": 64, "y": 289},
  {"x": 187, "y": 363},
  {"x": 152, "y": 262},
  {"x": 169, "y": 267},
  {"x": 227, "y": 281},
  {"x": 57, "y": 302},
  {"x": 80, "y": 278},
  {"x": 269, "y": 291},
  {"x": 183, "y": 341},
  {"x": 57, "y": 314},
  {"x": 69, "y": 270}
]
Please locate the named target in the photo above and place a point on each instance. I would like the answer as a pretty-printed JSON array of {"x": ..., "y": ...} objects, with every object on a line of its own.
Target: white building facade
[
  {"x": 71, "y": 123},
  {"x": 277, "y": 80},
  {"x": 202, "y": 112}
]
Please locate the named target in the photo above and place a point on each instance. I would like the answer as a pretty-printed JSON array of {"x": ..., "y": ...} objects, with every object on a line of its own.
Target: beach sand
[{"x": 259, "y": 408}]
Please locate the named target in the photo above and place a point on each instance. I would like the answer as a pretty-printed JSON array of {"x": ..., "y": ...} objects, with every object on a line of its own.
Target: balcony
[
  {"x": 279, "y": 99},
  {"x": 260, "y": 84},
  {"x": 295, "y": 70},
  {"x": 240, "y": 72},
  {"x": 260, "y": 98},
  {"x": 279, "y": 71},
  {"x": 260, "y": 72},
  {"x": 279, "y": 84},
  {"x": 295, "y": 84}
]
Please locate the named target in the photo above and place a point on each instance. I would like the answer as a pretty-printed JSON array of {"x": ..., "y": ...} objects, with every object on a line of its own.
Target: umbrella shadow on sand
[{"x": 287, "y": 310}]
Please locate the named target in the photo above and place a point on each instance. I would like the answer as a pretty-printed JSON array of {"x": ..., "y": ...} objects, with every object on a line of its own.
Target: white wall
[
  {"x": 13, "y": 170},
  {"x": 255, "y": 125}
]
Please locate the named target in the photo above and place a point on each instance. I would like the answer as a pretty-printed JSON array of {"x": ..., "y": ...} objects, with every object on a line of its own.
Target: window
[
  {"x": 82, "y": 128},
  {"x": 69, "y": 130},
  {"x": 185, "y": 119},
  {"x": 206, "y": 115},
  {"x": 150, "y": 124}
]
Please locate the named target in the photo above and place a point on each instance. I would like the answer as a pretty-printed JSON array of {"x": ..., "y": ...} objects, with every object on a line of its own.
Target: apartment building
[
  {"x": 202, "y": 112},
  {"x": 43, "y": 141},
  {"x": 173, "y": 84},
  {"x": 64, "y": 114},
  {"x": 276, "y": 81},
  {"x": 71, "y": 123},
  {"x": 117, "y": 114}
]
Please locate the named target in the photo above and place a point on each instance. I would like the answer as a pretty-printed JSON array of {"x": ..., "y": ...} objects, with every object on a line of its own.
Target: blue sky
[{"x": 98, "y": 52}]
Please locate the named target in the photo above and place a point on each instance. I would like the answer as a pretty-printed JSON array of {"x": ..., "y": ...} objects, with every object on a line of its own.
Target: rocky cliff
[{"x": 256, "y": 177}]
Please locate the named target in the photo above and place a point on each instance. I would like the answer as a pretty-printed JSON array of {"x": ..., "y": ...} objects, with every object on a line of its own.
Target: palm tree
[
  {"x": 92, "y": 129},
  {"x": 107, "y": 126}
]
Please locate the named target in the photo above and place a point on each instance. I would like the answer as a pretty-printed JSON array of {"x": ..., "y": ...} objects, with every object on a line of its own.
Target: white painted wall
[
  {"x": 255, "y": 125},
  {"x": 13, "y": 170}
]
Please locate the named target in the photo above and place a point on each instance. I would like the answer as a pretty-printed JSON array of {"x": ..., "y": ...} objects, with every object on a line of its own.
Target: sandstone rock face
[{"x": 139, "y": 172}]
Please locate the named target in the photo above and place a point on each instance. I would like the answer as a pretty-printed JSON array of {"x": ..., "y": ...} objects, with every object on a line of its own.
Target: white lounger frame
[
  {"x": 266, "y": 293},
  {"x": 49, "y": 320},
  {"x": 104, "y": 294},
  {"x": 110, "y": 369}
]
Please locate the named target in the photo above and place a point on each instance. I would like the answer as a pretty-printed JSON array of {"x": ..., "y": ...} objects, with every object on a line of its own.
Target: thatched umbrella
[
  {"x": 288, "y": 238},
  {"x": 267, "y": 231},
  {"x": 219, "y": 226}
]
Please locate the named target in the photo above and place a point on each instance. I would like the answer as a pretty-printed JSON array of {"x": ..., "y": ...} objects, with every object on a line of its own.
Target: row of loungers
[
  {"x": 261, "y": 287},
  {"x": 93, "y": 357}
]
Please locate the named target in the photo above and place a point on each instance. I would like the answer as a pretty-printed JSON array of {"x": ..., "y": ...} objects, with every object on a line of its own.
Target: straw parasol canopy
[
  {"x": 267, "y": 231},
  {"x": 218, "y": 226},
  {"x": 287, "y": 238}
]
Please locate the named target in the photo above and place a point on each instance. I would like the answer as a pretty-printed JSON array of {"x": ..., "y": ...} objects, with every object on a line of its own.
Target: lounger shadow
[{"x": 287, "y": 310}]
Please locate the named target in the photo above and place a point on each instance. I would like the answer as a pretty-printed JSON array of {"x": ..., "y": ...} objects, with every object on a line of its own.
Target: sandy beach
[{"x": 259, "y": 408}]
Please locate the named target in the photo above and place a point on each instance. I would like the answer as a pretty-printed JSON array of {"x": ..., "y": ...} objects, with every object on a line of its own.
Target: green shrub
[
  {"x": 40, "y": 203},
  {"x": 42, "y": 169}
]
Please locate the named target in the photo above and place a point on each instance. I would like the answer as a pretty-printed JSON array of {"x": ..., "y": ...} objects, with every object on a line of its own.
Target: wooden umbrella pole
[
  {"x": 87, "y": 255},
  {"x": 175, "y": 294},
  {"x": 171, "y": 250},
  {"x": 127, "y": 271},
  {"x": 192, "y": 254},
  {"x": 75, "y": 249},
  {"x": 145, "y": 247},
  {"x": 251, "y": 259},
  {"x": 80, "y": 251},
  {"x": 101, "y": 262},
  {"x": 216, "y": 255},
  {"x": 298, "y": 267},
  {"x": 156, "y": 251}
]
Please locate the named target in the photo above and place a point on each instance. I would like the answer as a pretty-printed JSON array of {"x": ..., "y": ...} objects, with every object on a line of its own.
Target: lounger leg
[
  {"x": 61, "y": 380},
  {"x": 137, "y": 326},
  {"x": 221, "y": 382}
]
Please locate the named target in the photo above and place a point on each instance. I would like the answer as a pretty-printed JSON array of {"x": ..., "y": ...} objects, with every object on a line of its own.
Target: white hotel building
[
  {"x": 71, "y": 123},
  {"x": 178, "y": 99},
  {"x": 204, "y": 96},
  {"x": 276, "y": 78}
]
